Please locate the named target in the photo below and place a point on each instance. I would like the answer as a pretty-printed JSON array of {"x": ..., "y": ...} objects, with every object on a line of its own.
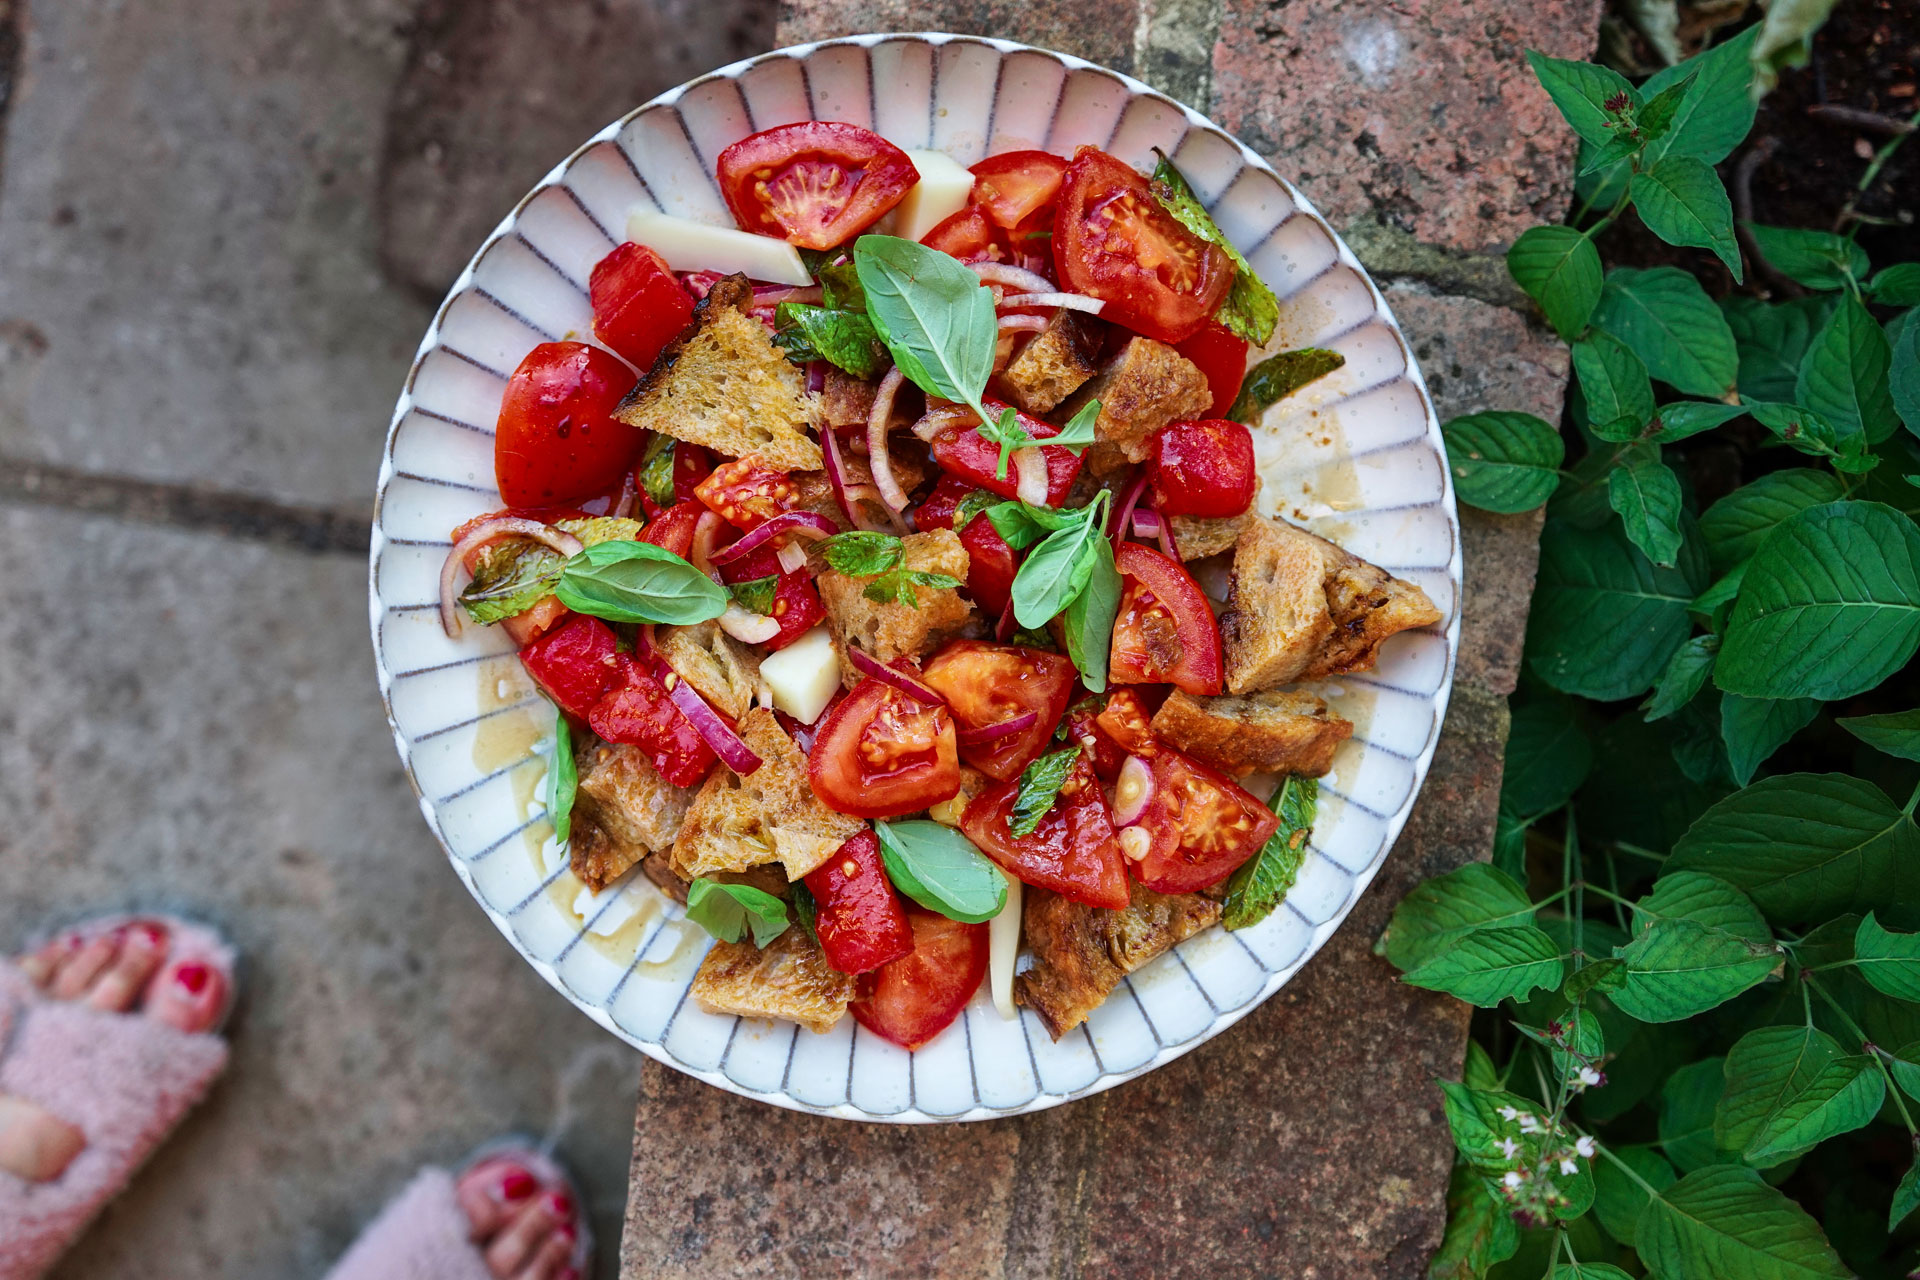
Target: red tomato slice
[
  {"x": 575, "y": 663},
  {"x": 968, "y": 235},
  {"x": 1072, "y": 852},
  {"x": 747, "y": 493},
  {"x": 672, "y": 530},
  {"x": 1222, "y": 356},
  {"x": 991, "y": 564},
  {"x": 1096, "y": 744},
  {"x": 1202, "y": 468},
  {"x": 1127, "y": 723},
  {"x": 557, "y": 440},
  {"x": 638, "y": 305},
  {"x": 529, "y": 625},
  {"x": 937, "y": 511},
  {"x": 1165, "y": 632},
  {"x": 961, "y": 451},
  {"x": 1203, "y": 825},
  {"x": 796, "y": 604},
  {"x": 860, "y": 919},
  {"x": 1014, "y": 185},
  {"x": 816, "y": 184},
  {"x": 918, "y": 996},
  {"x": 1113, "y": 240},
  {"x": 989, "y": 684},
  {"x": 882, "y": 753},
  {"x": 638, "y": 710}
]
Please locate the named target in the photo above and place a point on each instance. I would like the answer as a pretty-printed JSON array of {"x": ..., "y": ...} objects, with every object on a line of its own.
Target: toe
[
  {"x": 550, "y": 1261},
  {"x": 490, "y": 1193},
  {"x": 117, "y": 986},
  {"x": 517, "y": 1243},
  {"x": 188, "y": 995},
  {"x": 75, "y": 971}
]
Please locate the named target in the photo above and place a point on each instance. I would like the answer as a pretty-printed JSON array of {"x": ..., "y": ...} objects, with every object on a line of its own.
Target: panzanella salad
[{"x": 857, "y": 552}]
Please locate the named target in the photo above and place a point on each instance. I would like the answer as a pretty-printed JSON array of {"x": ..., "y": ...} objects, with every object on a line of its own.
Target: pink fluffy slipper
[{"x": 125, "y": 1080}]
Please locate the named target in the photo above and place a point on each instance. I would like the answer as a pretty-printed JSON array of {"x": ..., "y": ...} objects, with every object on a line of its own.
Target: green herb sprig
[
  {"x": 941, "y": 870},
  {"x": 864, "y": 554},
  {"x": 638, "y": 582},
  {"x": 729, "y": 911}
]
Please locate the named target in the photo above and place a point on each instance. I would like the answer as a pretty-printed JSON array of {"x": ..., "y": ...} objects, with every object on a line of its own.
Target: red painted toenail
[
  {"x": 561, "y": 1203},
  {"x": 153, "y": 933},
  {"x": 517, "y": 1185},
  {"x": 194, "y": 977},
  {"x": 565, "y": 1233}
]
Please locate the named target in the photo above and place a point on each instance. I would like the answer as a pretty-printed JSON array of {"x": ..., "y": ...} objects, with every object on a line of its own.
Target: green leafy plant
[{"x": 1708, "y": 970}]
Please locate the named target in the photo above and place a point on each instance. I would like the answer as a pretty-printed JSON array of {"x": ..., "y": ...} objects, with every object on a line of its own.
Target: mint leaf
[
  {"x": 1548, "y": 756},
  {"x": 1816, "y": 259},
  {"x": 1039, "y": 787},
  {"x": 1613, "y": 381},
  {"x": 1843, "y": 376},
  {"x": 563, "y": 780},
  {"x": 1723, "y": 1222},
  {"x": 1667, "y": 320},
  {"x": 1503, "y": 461},
  {"x": 1888, "y": 960},
  {"x": 1088, "y": 621},
  {"x": 846, "y": 339},
  {"x": 1605, "y": 619},
  {"x": 1010, "y": 435},
  {"x": 1681, "y": 200},
  {"x": 1678, "y": 968},
  {"x": 1896, "y": 286},
  {"x": 1249, "y": 310},
  {"x": 1829, "y": 608},
  {"x": 1755, "y": 728},
  {"x": 941, "y": 870},
  {"x": 1806, "y": 846},
  {"x": 1261, "y": 884},
  {"x": 757, "y": 595},
  {"x": 727, "y": 911},
  {"x": 861, "y": 554},
  {"x": 1646, "y": 493},
  {"x": 934, "y": 315},
  {"x": 1558, "y": 268},
  {"x": 896, "y": 586},
  {"x": 1734, "y": 527},
  {"x": 840, "y": 286},
  {"x": 1896, "y": 732},
  {"x": 1487, "y": 966},
  {"x": 1618, "y": 1199},
  {"x": 1279, "y": 376},
  {"x": 1440, "y": 911},
  {"x": 1592, "y": 98},
  {"x": 638, "y": 582}
]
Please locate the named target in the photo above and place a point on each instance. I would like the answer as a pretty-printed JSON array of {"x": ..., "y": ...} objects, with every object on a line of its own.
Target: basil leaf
[
  {"x": 638, "y": 582},
  {"x": 1249, "y": 310},
  {"x": 514, "y": 574},
  {"x": 1021, "y": 525},
  {"x": 757, "y": 595},
  {"x": 806, "y": 911},
  {"x": 563, "y": 780},
  {"x": 1088, "y": 621},
  {"x": 846, "y": 339},
  {"x": 896, "y": 586},
  {"x": 933, "y": 313},
  {"x": 656, "y": 473},
  {"x": 1039, "y": 786},
  {"x": 1279, "y": 376},
  {"x": 861, "y": 554},
  {"x": 940, "y": 869},
  {"x": 1261, "y": 884},
  {"x": 977, "y": 501},
  {"x": 728, "y": 910},
  {"x": 1059, "y": 568}
]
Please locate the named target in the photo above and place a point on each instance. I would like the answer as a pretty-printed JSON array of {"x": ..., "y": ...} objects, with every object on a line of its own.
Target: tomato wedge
[
  {"x": 1015, "y": 185},
  {"x": 1202, "y": 825},
  {"x": 1113, "y": 240},
  {"x": 882, "y": 752},
  {"x": 637, "y": 710},
  {"x": 968, "y": 235},
  {"x": 1127, "y": 722},
  {"x": 1222, "y": 356},
  {"x": 574, "y": 663},
  {"x": 989, "y": 684},
  {"x": 796, "y": 604},
  {"x": 860, "y": 920},
  {"x": 815, "y": 184},
  {"x": 1096, "y": 744},
  {"x": 638, "y": 305},
  {"x": 747, "y": 493},
  {"x": 1202, "y": 468},
  {"x": 915, "y": 998},
  {"x": 1165, "y": 632},
  {"x": 938, "y": 510},
  {"x": 960, "y": 451},
  {"x": 672, "y": 529},
  {"x": 991, "y": 565},
  {"x": 1072, "y": 852},
  {"x": 557, "y": 440}
]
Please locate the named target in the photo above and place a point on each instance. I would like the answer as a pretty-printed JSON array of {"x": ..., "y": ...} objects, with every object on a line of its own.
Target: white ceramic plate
[{"x": 1357, "y": 456}]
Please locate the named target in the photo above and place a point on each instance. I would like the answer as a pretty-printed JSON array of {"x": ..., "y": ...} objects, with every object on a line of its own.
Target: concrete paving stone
[
  {"x": 192, "y": 723},
  {"x": 1101, "y": 31}
]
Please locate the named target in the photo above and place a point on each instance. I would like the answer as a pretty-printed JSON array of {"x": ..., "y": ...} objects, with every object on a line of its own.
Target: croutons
[
  {"x": 788, "y": 978},
  {"x": 892, "y": 630},
  {"x": 720, "y": 668},
  {"x": 724, "y": 384},
  {"x": 1055, "y": 364},
  {"x": 846, "y": 400},
  {"x": 1300, "y": 608},
  {"x": 1081, "y": 953},
  {"x": 770, "y": 815},
  {"x": 1198, "y": 537},
  {"x": 1269, "y": 732},
  {"x": 622, "y": 810},
  {"x": 1146, "y": 386},
  {"x": 814, "y": 492}
]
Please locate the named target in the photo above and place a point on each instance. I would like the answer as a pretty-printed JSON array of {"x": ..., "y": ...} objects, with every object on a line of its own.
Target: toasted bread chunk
[
  {"x": 814, "y": 491},
  {"x": 658, "y": 867},
  {"x": 846, "y": 400},
  {"x": 1269, "y": 732},
  {"x": 1198, "y": 537},
  {"x": 1145, "y": 387},
  {"x": 771, "y": 815},
  {"x": 888, "y": 631},
  {"x": 1081, "y": 953},
  {"x": 723, "y": 671},
  {"x": 622, "y": 811},
  {"x": 723, "y": 384},
  {"x": 1302, "y": 609},
  {"x": 789, "y": 978},
  {"x": 1055, "y": 364}
]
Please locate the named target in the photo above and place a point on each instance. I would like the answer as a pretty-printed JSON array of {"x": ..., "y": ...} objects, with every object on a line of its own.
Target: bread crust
[{"x": 1273, "y": 731}]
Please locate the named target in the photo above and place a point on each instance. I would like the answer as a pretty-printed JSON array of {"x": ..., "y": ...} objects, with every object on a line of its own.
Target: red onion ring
[
  {"x": 836, "y": 477},
  {"x": 1146, "y": 523},
  {"x": 506, "y": 526},
  {"x": 816, "y": 376},
  {"x": 1167, "y": 543},
  {"x": 1123, "y": 511},
  {"x": 772, "y": 295},
  {"x": 1030, "y": 468},
  {"x": 974, "y": 737},
  {"x": 868, "y": 665},
  {"x": 877, "y": 457},
  {"x": 1012, "y": 277},
  {"x": 707, "y": 722},
  {"x": 1132, "y": 791},
  {"x": 936, "y": 420},
  {"x": 1014, "y": 324},
  {"x": 1070, "y": 301},
  {"x": 705, "y": 531},
  {"x": 802, "y": 524},
  {"x": 861, "y": 494}
]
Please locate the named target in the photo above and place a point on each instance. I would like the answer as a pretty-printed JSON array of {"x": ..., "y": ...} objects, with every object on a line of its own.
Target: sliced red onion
[
  {"x": 805, "y": 525},
  {"x": 792, "y": 557},
  {"x": 629, "y": 500},
  {"x": 1167, "y": 543},
  {"x": 772, "y": 295},
  {"x": 1124, "y": 511},
  {"x": 868, "y": 665},
  {"x": 1030, "y": 465},
  {"x": 1006, "y": 728},
  {"x": 942, "y": 417},
  {"x": 1071, "y": 301},
  {"x": 877, "y": 457},
  {"x": 479, "y": 536},
  {"x": 747, "y": 627},
  {"x": 707, "y": 722},
  {"x": 706, "y": 532},
  {"x": 1132, "y": 791},
  {"x": 1146, "y": 522},
  {"x": 861, "y": 494},
  {"x": 1014, "y": 324},
  {"x": 836, "y": 476},
  {"x": 1012, "y": 277},
  {"x": 816, "y": 376}
]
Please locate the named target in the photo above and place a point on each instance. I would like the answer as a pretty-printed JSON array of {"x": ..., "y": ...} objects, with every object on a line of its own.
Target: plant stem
[
  {"x": 1572, "y": 861},
  {"x": 1638, "y": 852},
  {"x": 1866, "y": 1043},
  {"x": 1627, "y": 1169},
  {"x": 1613, "y": 883},
  {"x": 1880, "y": 158}
]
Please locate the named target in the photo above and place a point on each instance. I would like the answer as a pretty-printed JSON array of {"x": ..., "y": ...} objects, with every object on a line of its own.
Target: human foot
[
  {"x": 129, "y": 968},
  {"x": 524, "y": 1230}
]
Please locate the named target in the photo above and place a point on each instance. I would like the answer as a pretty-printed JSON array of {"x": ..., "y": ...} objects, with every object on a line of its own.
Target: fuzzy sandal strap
[
  {"x": 422, "y": 1234},
  {"x": 123, "y": 1079}
]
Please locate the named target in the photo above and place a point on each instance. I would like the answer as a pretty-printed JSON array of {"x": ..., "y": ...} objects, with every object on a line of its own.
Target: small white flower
[
  {"x": 1589, "y": 1077},
  {"x": 1569, "y": 1168},
  {"x": 1509, "y": 1148},
  {"x": 1586, "y": 1147},
  {"x": 1512, "y": 1180},
  {"x": 1508, "y": 1113},
  {"x": 1529, "y": 1123}
]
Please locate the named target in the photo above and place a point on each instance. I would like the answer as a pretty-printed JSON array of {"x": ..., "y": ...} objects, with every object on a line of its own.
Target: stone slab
[{"x": 191, "y": 722}]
